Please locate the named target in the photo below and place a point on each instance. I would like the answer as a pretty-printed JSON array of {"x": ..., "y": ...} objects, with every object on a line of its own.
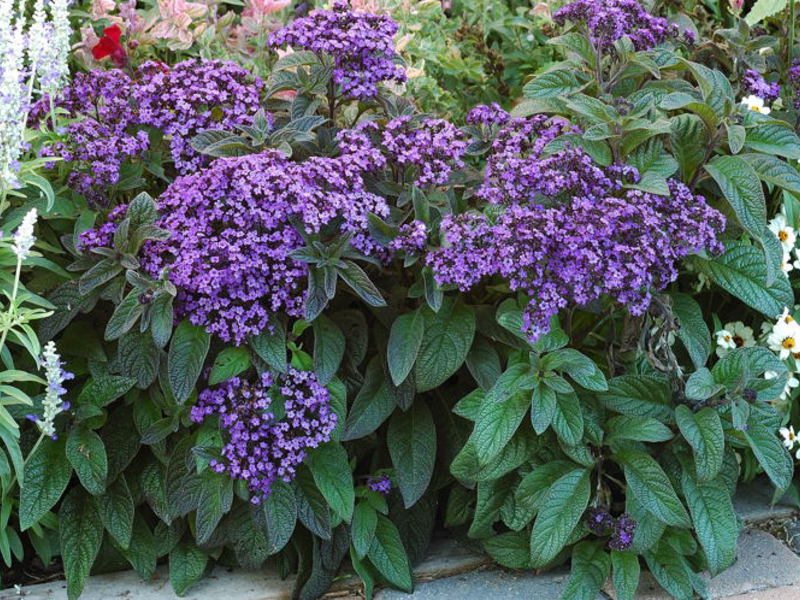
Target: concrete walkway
[{"x": 766, "y": 570}]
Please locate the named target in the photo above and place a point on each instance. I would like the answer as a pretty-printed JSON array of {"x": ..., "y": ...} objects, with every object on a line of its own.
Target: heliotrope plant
[{"x": 309, "y": 323}]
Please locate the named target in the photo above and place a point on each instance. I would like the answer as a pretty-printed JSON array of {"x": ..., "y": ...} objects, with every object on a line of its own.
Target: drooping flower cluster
[
  {"x": 234, "y": 228},
  {"x": 609, "y": 20},
  {"x": 192, "y": 96},
  {"x": 434, "y": 147},
  {"x": 360, "y": 44},
  {"x": 53, "y": 404},
  {"x": 620, "y": 529},
  {"x": 114, "y": 108},
  {"x": 261, "y": 446},
  {"x": 753, "y": 83},
  {"x": 571, "y": 231}
]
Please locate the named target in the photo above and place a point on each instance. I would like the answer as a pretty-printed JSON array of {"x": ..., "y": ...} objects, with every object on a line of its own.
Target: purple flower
[
  {"x": 622, "y": 536},
  {"x": 609, "y": 20},
  {"x": 754, "y": 83},
  {"x": 412, "y": 239},
  {"x": 381, "y": 484},
  {"x": 488, "y": 115},
  {"x": 260, "y": 446},
  {"x": 599, "y": 520},
  {"x": 103, "y": 236},
  {"x": 360, "y": 44},
  {"x": 794, "y": 82}
]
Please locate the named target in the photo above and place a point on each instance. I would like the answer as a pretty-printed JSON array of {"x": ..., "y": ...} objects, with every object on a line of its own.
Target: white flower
[
  {"x": 785, "y": 336},
  {"x": 734, "y": 335},
  {"x": 14, "y": 104},
  {"x": 756, "y": 104},
  {"x": 789, "y": 436},
  {"x": 23, "y": 237},
  {"x": 783, "y": 231},
  {"x": 787, "y": 264}
]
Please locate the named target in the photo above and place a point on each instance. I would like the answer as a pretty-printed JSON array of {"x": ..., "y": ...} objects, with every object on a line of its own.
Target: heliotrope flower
[
  {"x": 624, "y": 531},
  {"x": 360, "y": 44},
  {"x": 381, "y": 484},
  {"x": 753, "y": 83},
  {"x": 268, "y": 426}
]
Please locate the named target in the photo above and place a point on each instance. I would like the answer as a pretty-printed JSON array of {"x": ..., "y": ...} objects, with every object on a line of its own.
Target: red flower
[{"x": 109, "y": 46}]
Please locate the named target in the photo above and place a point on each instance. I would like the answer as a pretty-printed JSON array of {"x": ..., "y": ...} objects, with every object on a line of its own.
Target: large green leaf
[
  {"x": 87, "y": 455},
  {"x": 329, "y": 345},
  {"x": 187, "y": 565},
  {"x": 497, "y": 422},
  {"x": 775, "y": 171},
  {"x": 693, "y": 331},
  {"x": 331, "y": 470},
  {"x": 703, "y": 431},
  {"x": 625, "y": 572},
  {"x": 640, "y": 395},
  {"x": 764, "y": 9},
  {"x": 568, "y": 420},
  {"x": 47, "y": 474},
  {"x": 116, "y": 511},
  {"x": 448, "y": 337},
  {"x": 388, "y": 555},
  {"x": 553, "y": 84},
  {"x": 411, "y": 438},
  {"x": 651, "y": 486},
  {"x": 372, "y": 406},
  {"x": 588, "y": 571},
  {"x": 187, "y": 352},
  {"x": 742, "y": 271},
  {"x": 229, "y": 363},
  {"x": 214, "y": 501},
  {"x": 80, "y": 534},
  {"x": 365, "y": 520},
  {"x": 741, "y": 186},
  {"x": 560, "y": 512},
  {"x": 280, "y": 512},
  {"x": 771, "y": 454},
  {"x": 774, "y": 138},
  {"x": 715, "y": 522},
  {"x": 405, "y": 341}
]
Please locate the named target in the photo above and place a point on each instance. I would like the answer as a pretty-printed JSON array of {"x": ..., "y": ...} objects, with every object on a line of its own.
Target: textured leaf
[
  {"x": 229, "y": 363},
  {"x": 80, "y": 535},
  {"x": 560, "y": 512},
  {"x": 411, "y": 438},
  {"x": 331, "y": 470},
  {"x": 775, "y": 171},
  {"x": 497, "y": 422},
  {"x": 588, "y": 572},
  {"x": 715, "y": 522},
  {"x": 771, "y": 454},
  {"x": 187, "y": 352},
  {"x": 510, "y": 549},
  {"x": 405, "y": 341},
  {"x": 116, "y": 511},
  {"x": 640, "y": 395},
  {"x": 703, "y": 431},
  {"x": 47, "y": 474},
  {"x": 365, "y": 520},
  {"x": 763, "y": 9},
  {"x": 553, "y": 84},
  {"x": 651, "y": 486},
  {"x": 568, "y": 420},
  {"x": 372, "y": 406},
  {"x": 87, "y": 455},
  {"x": 280, "y": 512},
  {"x": 543, "y": 408},
  {"x": 214, "y": 500},
  {"x": 141, "y": 553},
  {"x": 774, "y": 138},
  {"x": 329, "y": 345},
  {"x": 271, "y": 347},
  {"x": 448, "y": 337},
  {"x": 187, "y": 564},
  {"x": 625, "y": 574},
  {"x": 693, "y": 331},
  {"x": 742, "y": 188},
  {"x": 642, "y": 429},
  {"x": 388, "y": 555}
]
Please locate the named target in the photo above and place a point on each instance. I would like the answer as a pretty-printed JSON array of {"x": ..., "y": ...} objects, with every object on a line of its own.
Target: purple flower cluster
[
  {"x": 381, "y": 484},
  {"x": 103, "y": 236},
  {"x": 794, "y": 81},
  {"x": 235, "y": 225},
  {"x": 261, "y": 446},
  {"x": 604, "y": 241},
  {"x": 192, "y": 96},
  {"x": 360, "y": 44},
  {"x": 412, "y": 238},
  {"x": 103, "y": 138},
  {"x": 112, "y": 111},
  {"x": 754, "y": 83},
  {"x": 620, "y": 529},
  {"x": 434, "y": 147},
  {"x": 488, "y": 115},
  {"x": 609, "y": 20}
]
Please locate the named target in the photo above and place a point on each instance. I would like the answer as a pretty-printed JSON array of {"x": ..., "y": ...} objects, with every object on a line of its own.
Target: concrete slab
[{"x": 752, "y": 503}]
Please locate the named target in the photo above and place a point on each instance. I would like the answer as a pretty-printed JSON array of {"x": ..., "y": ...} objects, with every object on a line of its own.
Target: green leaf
[
  {"x": 331, "y": 470},
  {"x": 329, "y": 345},
  {"x": 770, "y": 453},
  {"x": 742, "y": 271},
  {"x": 775, "y": 171},
  {"x": 543, "y": 408},
  {"x": 774, "y": 138},
  {"x": 535, "y": 486},
  {"x": 271, "y": 347},
  {"x": 372, "y": 406},
  {"x": 560, "y": 512},
  {"x": 125, "y": 316},
  {"x": 411, "y": 438},
  {"x": 671, "y": 571},
  {"x": 405, "y": 341},
  {"x": 187, "y": 564},
  {"x": 742, "y": 188},
  {"x": 553, "y": 84},
  {"x": 640, "y": 395},
  {"x": 447, "y": 340},
  {"x": 280, "y": 512},
  {"x": 764, "y": 9},
  {"x": 187, "y": 352},
  {"x": 625, "y": 574},
  {"x": 80, "y": 534},
  {"x": 229, "y": 363},
  {"x": 588, "y": 572},
  {"x": 365, "y": 520},
  {"x": 688, "y": 140},
  {"x": 214, "y": 501},
  {"x": 736, "y": 137},
  {"x": 360, "y": 283},
  {"x": 388, "y": 555},
  {"x": 161, "y": 319},
  {"x": 116, "y": 511},
  {"x": 510, "y": 549},
  {"x": 497, "y": 422},
  {"x": 641, "y": 429},
  {"x": 47, "y": 474},
  {"x": 715, "y": 523},
  {"x": 703, "y": 431},
  {"x": 141, "y": 552},
  {"x": 651, "y": 486},
  {"x": 483, "y": 362},
  {"x": 702, "y": 385},
  {"x": 692, "y": 331},
  {"x": 568, "y": 420}
]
